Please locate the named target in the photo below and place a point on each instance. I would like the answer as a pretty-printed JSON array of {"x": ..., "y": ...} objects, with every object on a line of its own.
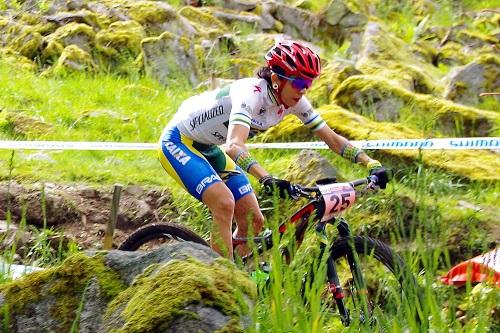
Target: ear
[{"x": 275, "y": 79}]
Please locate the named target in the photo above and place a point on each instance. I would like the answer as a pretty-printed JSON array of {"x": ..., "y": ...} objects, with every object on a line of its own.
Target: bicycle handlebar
[{"x": 313, "y": 191}]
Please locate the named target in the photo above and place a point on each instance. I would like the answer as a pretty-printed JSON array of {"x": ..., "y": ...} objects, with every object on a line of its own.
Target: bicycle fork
[{"x": 333, "y": 281}]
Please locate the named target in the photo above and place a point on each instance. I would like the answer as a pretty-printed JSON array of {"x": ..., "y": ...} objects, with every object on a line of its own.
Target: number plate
[{"x": 338, "y": 197}]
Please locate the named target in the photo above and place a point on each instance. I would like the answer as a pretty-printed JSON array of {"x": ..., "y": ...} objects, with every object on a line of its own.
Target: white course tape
[{"x": 448, "y": 143}]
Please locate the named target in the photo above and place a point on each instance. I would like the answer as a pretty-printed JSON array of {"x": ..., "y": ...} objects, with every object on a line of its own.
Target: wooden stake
[{"x": 110, "y": 228}]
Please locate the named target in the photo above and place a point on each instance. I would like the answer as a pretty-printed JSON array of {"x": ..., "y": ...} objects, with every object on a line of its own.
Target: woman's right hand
[{"x": 272, "y": 184}]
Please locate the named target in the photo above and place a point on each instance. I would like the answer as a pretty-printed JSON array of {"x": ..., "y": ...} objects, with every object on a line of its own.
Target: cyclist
[{"x": 207, "y": 135}]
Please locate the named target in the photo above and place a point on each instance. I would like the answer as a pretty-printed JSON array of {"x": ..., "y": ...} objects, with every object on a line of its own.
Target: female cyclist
[{"x": 207, "y": 135}]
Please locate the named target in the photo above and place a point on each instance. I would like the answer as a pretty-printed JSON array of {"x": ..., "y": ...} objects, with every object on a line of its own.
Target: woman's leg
[
  {"x": 220, "y": 202},
  {"x": 247, "y": 209},
  {"x": 182, "y": 160}
]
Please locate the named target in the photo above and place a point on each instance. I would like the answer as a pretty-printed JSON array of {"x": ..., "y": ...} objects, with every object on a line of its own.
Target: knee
[
  {"x": 224, "y": 205},
  {"x": 258, "y": 222}
]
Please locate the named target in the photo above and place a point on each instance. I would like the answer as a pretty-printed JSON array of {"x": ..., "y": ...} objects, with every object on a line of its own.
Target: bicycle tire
[
  {"x": 160, "y": 231},
  {"x": 381, "y": 252}
]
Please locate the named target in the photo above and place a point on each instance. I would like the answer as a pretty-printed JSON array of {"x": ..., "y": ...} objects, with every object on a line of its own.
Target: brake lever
[{"x": 373, "y": 183}]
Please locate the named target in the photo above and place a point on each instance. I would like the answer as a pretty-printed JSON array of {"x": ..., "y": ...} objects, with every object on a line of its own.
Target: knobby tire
[{"x": 160, "y": 231}]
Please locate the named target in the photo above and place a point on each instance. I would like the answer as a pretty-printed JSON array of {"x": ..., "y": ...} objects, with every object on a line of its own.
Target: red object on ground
[{"x": 483, "y": 268}]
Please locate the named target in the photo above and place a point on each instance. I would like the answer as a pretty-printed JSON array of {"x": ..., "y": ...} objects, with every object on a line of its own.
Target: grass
[
  {"x": 110, "y": 108},
  {"x": 418, "y": 214}
]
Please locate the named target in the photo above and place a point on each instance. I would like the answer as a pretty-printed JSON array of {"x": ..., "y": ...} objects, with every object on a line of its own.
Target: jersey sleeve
[
  {"x": 245, "y": 99},
  {"x": 310, "y": 118}
]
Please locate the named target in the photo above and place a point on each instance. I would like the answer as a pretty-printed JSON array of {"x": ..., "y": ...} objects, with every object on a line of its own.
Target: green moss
[
  {"x": 390, "y": 57},
  {"x": 65, "y": 284},
  {"x": 151, "y": 12},
  {"x": 72, "y": 59},
  {"x": 422, "y": 112},
  {"x": 481, "y": 165},
  {"x": 245, "y": 67},
  {"x": 331, "y": 77},
  {"x": 53, "y": 50},
  {"x": 205, "y": 23},
  {"x": 161, "y": 294},
  {"x": 475, "y": 36},
  {"x": 17, "y": 61},
  {"x": 452, "y": 54},
  {"x": 27, "y": 44},
  {"x": 64, "y": 34},
  {"x": 119, "y": 37},
  {"x": 17, "y": 124}
]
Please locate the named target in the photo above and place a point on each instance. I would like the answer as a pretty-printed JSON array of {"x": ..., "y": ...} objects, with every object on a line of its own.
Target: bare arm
[
  {"x": 337, "y": 143},
  {"x": 236, "y": 149}
]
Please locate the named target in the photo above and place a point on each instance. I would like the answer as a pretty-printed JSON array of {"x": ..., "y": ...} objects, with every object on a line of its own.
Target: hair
[{"x": 265, "y": 73}]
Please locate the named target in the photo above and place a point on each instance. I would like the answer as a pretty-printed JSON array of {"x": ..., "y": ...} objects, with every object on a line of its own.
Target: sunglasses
[{"x": 298, "y": 82}]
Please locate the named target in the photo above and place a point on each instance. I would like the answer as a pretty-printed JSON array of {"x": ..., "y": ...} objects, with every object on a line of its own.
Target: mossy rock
[
  {"x": 466, "y": 83},
  {"x": 120, "y": 37},
  {"x": 27, "y": 44},
  {"x": 474, "y": 39},
  {"x": 167, "y": 293},
  {"x": 382, "y": 100},
  {"x": 17, "y": 61},
  {"x": 480, "y": 165},
  {"x": 18, "y": 124},
  {"x": 452, "y": 54},
  {"x": 244, "y": 67},
  {"x": 97, "y": 21},
  {"x": 169, "y": 56},
  {"x": 205, "y": 23},
  {"x": 79, "y": 34},
  {"x": 54, "y": 294},
  {"x": 151, "y": 12},
  {"x": 384, "y": 55},
  {"x": 72, "y": 59},
  {"x": 331, "y": 76}
]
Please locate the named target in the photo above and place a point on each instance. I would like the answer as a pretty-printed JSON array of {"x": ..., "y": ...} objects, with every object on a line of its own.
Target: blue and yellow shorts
[{"x": 197, "y": 166}]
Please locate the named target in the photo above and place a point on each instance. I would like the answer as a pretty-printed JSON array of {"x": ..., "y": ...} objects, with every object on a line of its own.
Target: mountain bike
[{"x": 363, "y": 275}]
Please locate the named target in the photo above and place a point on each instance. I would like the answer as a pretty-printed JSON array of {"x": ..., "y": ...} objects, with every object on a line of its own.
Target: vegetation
[{"x": 440, "y": 208}]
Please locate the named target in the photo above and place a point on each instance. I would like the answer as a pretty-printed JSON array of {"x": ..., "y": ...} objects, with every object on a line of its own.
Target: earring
[{"x": 275, "y": 86}]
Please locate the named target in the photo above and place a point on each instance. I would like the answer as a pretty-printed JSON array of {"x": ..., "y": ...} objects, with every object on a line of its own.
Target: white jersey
[{"x": 250, "y": 102}]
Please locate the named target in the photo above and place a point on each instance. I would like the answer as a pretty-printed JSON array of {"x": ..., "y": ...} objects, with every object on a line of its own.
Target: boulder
[
  {"x": 240, "y": 5},
  {"x": 297, "y": 22},
  {"x": 385, "y": 55},
  {"x": 157, "y": 17},
  {"x": 169, "y": 56},
  {"x": 120, "y": 38},
  {"x": 382, "y": 100},
  {"x": 465, "y": 83},
  {"x": 78, "y": 34},
  {"x": 205, "y": 23},
  {"x": 481, "y": 165},
  {"x": 72, "y": 59},
  {"x": 308, "y": 167},
  {"x": 181, "y": 287}
]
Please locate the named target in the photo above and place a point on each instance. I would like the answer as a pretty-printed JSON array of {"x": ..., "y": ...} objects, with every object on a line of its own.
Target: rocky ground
[{"x": 81, "y": 212}]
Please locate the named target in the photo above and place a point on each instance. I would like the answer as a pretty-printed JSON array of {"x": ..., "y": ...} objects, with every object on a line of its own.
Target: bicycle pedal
[{"x": 265, "y": 267}]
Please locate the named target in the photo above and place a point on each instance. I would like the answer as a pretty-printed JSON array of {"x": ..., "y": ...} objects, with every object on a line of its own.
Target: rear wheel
[
  {"x": 376, "y": 285},
  {"x": 153, "y": 235}
]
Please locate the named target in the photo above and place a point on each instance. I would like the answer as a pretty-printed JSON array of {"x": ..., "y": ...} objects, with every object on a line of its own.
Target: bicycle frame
[{"x": 301, "y": 219}]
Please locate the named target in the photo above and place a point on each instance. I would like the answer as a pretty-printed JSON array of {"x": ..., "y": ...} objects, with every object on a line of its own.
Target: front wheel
[
  {"x": 156, "y": 234},
  {"x": 373, "y": 285}
]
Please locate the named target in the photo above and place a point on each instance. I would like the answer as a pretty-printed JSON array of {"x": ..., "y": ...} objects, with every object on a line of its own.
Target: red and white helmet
[{"x": 294, "y": 59}]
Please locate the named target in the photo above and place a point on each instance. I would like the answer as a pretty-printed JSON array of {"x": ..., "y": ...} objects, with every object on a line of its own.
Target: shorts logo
[
  {"x": 245, "y": 189},
  {"x": 177, "y": 153},
  {"x": 205, "y": 181}
]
